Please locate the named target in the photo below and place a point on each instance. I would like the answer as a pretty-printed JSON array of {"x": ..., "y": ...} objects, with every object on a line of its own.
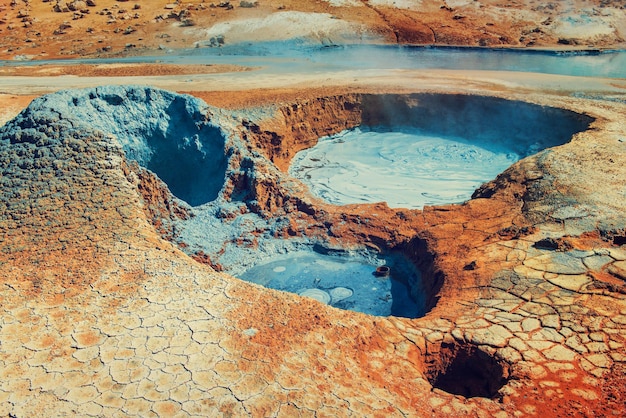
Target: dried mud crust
[{"x": 102, "y": 316}]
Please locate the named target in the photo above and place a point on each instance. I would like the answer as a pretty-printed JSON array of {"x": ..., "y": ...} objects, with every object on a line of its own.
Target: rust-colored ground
[
  {"x": 101, "y": 317},
  {"x": 115, "y": 70},
  {"x": 32, "y": 29}
]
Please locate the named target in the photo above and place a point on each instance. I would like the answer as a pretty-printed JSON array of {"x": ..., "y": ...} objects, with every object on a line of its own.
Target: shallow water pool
[{"x": 345, "y": 282}]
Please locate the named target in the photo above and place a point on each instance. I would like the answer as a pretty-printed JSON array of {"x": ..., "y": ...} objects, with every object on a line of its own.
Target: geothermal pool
[
  {"x": 409, "y": 150},
  {"x": 409, "y": 169},
  {"x": 345, "y": 282},
  {"x": 426, "y": 149},
  {"x": 299, "y": 56}
]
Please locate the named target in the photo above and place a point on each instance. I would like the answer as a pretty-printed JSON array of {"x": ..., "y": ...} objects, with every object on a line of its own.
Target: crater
[
  {"x": 465, "y": 370},
  {"x": 167, "y": 133},
  {"x": 428, "y": 149}
]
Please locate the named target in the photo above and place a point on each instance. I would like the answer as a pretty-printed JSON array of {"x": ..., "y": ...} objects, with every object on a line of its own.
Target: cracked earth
[
  {"x": 106, "y": 311},
  {"x": 103, "y": 317}
]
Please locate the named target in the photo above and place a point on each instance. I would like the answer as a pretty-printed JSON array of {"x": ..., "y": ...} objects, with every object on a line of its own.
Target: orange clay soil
[
  {"x": 32, "y": 29},
  {"x": 95, "y": 303},
  {"x": 116, "y": 70}
]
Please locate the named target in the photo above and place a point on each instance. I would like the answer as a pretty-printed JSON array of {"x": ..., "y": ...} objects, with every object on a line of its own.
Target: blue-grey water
[
  {"x": 303, "y": 271},
  {"x": 290, "y": 56}
]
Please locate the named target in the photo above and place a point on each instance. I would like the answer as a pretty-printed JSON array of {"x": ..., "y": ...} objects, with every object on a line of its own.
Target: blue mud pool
[
  {"x": 405, "y": 169},
  {"x": 346, "y": 282}
]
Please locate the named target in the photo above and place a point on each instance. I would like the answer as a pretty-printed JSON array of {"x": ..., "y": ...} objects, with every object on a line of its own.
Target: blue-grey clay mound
[{"x": 167, "y": 133}]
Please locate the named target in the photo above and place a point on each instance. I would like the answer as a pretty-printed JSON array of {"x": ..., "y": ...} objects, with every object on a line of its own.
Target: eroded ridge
[{"x": 101, "y": 316}]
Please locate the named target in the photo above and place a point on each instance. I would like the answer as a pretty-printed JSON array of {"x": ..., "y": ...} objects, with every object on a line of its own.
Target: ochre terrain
[
  {"x": 104, "y": 315},
  {"x": 36, "y": 29}
]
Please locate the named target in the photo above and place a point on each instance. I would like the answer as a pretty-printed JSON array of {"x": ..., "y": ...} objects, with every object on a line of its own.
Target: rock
[
  {"x": 248, "y": 4},
  {"x": 216, "y": 41},
  {"x": 554, "y": 244},
  {"x": 76, "y": 5},
  {"x": 61, "y": 7}
]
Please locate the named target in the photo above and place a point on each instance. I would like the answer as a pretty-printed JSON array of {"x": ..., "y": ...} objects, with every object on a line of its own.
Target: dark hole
[
  {"x": 192, "y": 164},
  {"x": 468, "y": 371},
  {"x": 169, "y": 134},
  {"x": 619, "y": 240}
]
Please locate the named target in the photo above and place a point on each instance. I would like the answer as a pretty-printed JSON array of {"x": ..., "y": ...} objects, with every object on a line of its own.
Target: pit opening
[
  {"x": 166, "y": 133},
  {"x": 465, "y": 370},
  {"x": 427, "y": 149},
  {"x": 346, "y": 281}
]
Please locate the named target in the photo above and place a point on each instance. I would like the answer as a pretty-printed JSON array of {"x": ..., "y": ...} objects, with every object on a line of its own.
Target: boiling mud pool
[
  {"x": 405, "y": 169},
  {"x": 344, "y": 282}
]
